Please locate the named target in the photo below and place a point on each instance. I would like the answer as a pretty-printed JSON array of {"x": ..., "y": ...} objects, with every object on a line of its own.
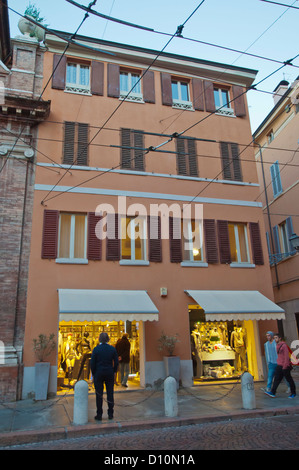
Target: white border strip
[{"x": 144, "y": 195}]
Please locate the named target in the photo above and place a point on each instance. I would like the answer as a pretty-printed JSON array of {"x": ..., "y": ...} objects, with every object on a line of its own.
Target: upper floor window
[
  {"x": 133, "y": 239},
  {"x": 186, "y": 157},
  {"x": 192, "y": 241},
  {"x": 75, "y": 145},
  {"x": 132, "y": 149},
  {"x": 72, "y": 236},
  {"x": 238, "y": 241},
  {"x": 275, "y": 179},
  {"x": 130, "y": 82},
  {"x": 77, "y": 77},
  {"x": 231, "y": 164},
  {"x": 270, "y": 137},
  {"x": 180, "y": 94},
  {"x": 222, "y": 101}
]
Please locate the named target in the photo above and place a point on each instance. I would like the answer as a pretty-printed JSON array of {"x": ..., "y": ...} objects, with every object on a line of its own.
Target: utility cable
[
  {"x": 178, "y": 31},
  {"x": 53, "y": 71}
]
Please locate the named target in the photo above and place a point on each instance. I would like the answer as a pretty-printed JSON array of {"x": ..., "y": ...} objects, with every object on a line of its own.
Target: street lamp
[{"x": 294, "y": 241}]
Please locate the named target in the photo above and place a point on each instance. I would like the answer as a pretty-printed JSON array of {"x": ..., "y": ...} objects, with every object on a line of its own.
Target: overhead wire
[
  {"x": 178, "y": 31},
  {"x": 178, "y": 34},
  {"x": 41, "y": 94}
]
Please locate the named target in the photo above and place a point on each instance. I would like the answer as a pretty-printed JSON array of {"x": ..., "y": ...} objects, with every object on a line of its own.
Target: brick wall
[{"x": 16, "y": 202}]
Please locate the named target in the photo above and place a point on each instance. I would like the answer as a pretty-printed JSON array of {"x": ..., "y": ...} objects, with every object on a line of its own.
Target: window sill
[
  {"x": 242, "y": 265},
  {"x": 78, "y": 91},
  {"x": 186, "y": 105},
  {"x": 194, "y": 264},
  {"x": 71, "y": 261},
  {"x": 129, "y": 262},
  {"x": 225, "y": 112},
  {"x": 133, "y": 98}
]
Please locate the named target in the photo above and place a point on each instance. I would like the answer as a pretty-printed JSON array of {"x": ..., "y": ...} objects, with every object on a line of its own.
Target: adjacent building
[
  {"x": 277, "y": 164},
  {"x": 21, "y": 111}
]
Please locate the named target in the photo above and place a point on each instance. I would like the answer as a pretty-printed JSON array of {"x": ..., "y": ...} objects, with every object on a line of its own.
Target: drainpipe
[{"x": 268, "y": 213}]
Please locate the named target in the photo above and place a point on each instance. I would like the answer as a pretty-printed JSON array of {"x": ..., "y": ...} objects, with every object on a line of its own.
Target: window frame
[
  {"x": 71, "y": 259},
  {"x": 77, "y": 87},
  {"x": 189, "y": 248},
  {"x": 134, "y": 95},
  {"x": 180, "y": 102},
  {"x": 123, "y": 226},
  {"x": 239, "y": 262},
  {"x": 221, "y": 109}
]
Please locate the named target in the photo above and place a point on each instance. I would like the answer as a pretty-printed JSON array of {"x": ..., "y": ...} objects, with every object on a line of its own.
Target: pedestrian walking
[
  {"x": 104, "y": 363},
  {"x": 271, "y": 359},
  {"x": 123, "y": 350},
  {"x": 283, "y": 368}
]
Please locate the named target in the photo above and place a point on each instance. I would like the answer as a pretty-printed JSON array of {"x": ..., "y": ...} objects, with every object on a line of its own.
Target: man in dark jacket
[
  {"x": 123, "y": 349},
  {"x": 104, "y": 363}
]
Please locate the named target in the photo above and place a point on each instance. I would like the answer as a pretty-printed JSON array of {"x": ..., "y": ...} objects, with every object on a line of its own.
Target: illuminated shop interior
[{"x": 76, "y": 342}]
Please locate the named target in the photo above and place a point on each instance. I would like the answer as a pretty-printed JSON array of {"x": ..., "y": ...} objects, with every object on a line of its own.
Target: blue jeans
[
  {"x": 124, "y": 372},
  {"x": 271, "y": 372}
]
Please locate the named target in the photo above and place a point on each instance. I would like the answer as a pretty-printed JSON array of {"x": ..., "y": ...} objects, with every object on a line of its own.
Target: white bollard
[
  {"x": 248, "y": 394},
  {"x": 170, "y": 397},
  {"x": 81, "y": 403}
]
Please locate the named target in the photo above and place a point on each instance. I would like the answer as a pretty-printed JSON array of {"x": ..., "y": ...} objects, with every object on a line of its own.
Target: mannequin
[
  {"x": 196, "y": 338},
  {"x": 69, "y": 355},
  {"x": 237, "y": 341},
  {"x": 84, "y": 349}
]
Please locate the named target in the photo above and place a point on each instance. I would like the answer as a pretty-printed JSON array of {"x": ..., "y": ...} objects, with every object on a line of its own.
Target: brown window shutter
[
  {"x": 132, "y": 157},
  {"x": 209, "y": 96},
  {"x": 210, "y": 241},
  {"x": 186, "y": 157},
  {"x": 181, "y": 156},
  {"x": 97, "y": 78},
  {"x": 59, "y": 72},
  {"x": 69, "y": 142},
  {"x": 125, "y": 153},
  {"x": 138, "y": 139},
  {"x": 239, "y": 101},
  {"x": 223, "y": 239},
  {"x": 198, "y": 94},
  {"x": 82, "y": 149},
  {"x": 226, "y": 161},
  {"x": 154, "y": 237},
  {"x": 113, "y": 80},
  {"x": 236, "y": 162},
  {"x": 166, "y": 89},
  {"x": 50, "y": 234},
  {"x": 149, "y": 87},
  {"x": 256, "y": 244},
  {"x": 94, "y": 243},
  {"x": 113, "y": 239},
  {"x": 192, "y": 157},
  {"x": 175, "y": 239}
]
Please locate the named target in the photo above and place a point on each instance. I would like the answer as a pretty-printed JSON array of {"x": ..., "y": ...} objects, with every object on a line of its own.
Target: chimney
[{"x": 280, "y": 90}]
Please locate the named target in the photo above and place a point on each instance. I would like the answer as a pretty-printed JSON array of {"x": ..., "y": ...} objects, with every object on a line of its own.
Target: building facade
[
  {"x": 152, "y": 224},
  {"x": 277, "y": 163},
  {"x": 21, "y": 111}
]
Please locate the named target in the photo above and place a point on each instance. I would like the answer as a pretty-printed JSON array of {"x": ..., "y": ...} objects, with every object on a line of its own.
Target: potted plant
[
  {"x": 43, "y": 346},
  {"x": 172, "y": 362},
  {"x": 28, "y": 27}
]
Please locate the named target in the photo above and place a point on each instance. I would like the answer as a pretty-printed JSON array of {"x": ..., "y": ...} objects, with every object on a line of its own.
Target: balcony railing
[{"x": 277, "y": 257}]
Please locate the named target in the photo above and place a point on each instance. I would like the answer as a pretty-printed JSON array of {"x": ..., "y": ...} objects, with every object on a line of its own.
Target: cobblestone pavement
[{"x": 271, "y": 433}]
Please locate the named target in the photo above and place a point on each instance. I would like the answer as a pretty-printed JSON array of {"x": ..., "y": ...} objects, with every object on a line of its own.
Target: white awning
[
  {"x": 102, "y": 305},
  {"x": 228, "y": 305}
]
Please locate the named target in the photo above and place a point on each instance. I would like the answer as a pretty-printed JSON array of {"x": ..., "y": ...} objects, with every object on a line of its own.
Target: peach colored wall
[{"x": 46, "y": 276}]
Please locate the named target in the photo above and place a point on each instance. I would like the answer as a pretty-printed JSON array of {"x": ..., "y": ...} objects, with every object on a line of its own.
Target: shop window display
[
  {"x": 77, "y": 340},
  {"x": 219, "y": 350}
]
